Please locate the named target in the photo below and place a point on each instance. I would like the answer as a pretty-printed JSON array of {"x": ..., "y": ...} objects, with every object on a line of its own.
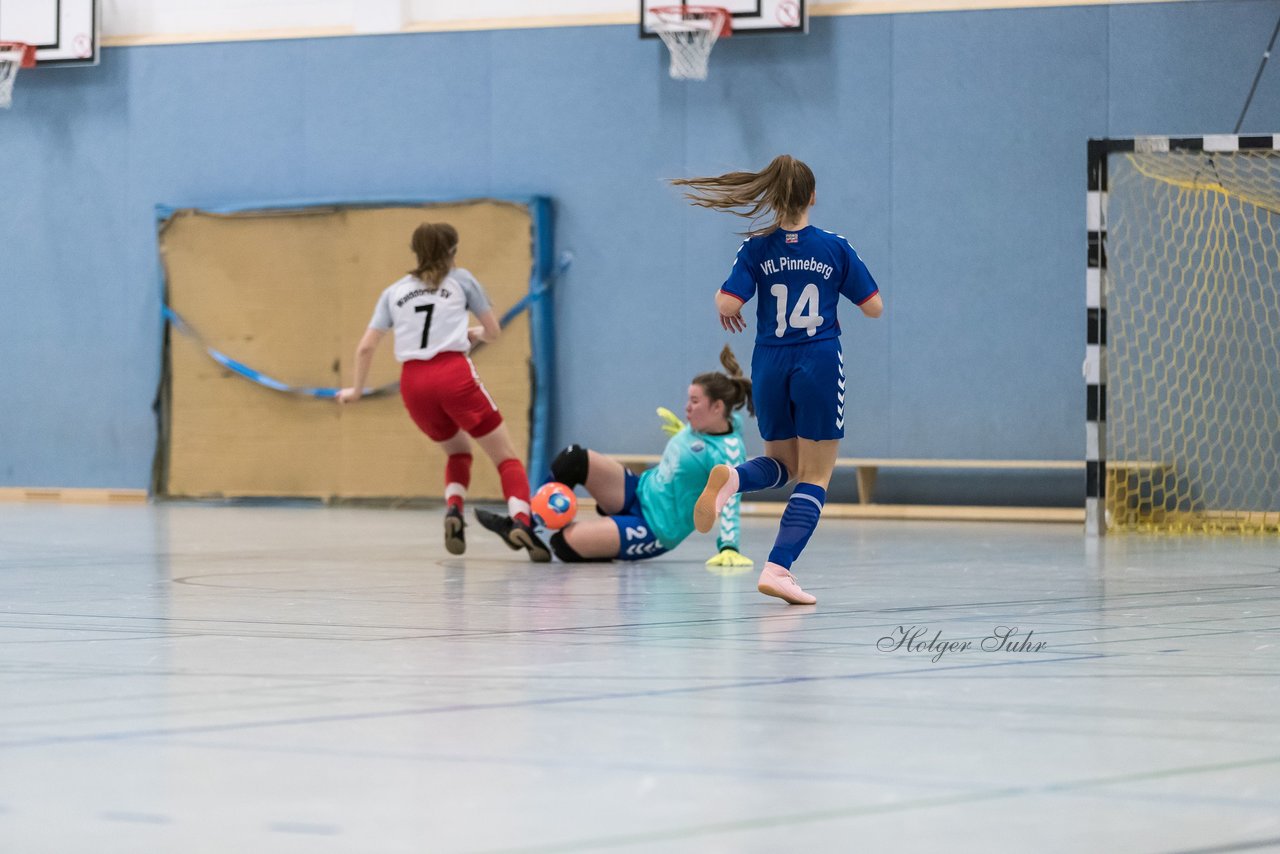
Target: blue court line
[
  {"x": 1111, "y": 597},
  {"x": 302, "y": 828},
  {"x": 1243, "y": 845},
  {"x": 814, "y": 816},
  {"x": 1188, "y": 799},
  {"x": 137, "y": 817},
  {"x": 762, "y": 619},
  {"x": 559, "y": 762},
  {"x": 162, "y": 732}
]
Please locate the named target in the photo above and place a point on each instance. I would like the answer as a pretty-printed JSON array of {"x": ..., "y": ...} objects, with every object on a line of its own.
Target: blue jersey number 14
[{"x": 804, "y": 316}]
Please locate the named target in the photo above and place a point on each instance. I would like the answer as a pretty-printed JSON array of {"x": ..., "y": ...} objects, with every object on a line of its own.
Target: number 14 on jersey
[{"x": 804, "y": 316}]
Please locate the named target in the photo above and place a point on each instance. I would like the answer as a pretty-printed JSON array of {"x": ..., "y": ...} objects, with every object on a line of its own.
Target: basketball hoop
[
  {"x": 689, "y": 32},
  {"x": 13, "y": 55}
]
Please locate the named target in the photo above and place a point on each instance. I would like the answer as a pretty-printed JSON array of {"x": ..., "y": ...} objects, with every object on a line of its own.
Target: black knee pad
[
  {"x": 565, "y": 552},
  {"x": 570, "y": 466}
]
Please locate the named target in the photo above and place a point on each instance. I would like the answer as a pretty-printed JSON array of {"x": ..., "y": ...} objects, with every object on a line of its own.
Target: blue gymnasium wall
[{"x": 949, "y": 147}]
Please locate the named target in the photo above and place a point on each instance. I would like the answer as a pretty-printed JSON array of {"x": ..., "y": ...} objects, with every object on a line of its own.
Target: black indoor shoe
[
  {"x": 455, "y": 538},
  {"x": 516, "y": 535}
]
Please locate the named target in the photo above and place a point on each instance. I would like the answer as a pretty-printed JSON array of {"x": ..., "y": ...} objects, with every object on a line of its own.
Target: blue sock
[
  {"x": 762, "y": 473},
  {"x": 798, "y": 522}
]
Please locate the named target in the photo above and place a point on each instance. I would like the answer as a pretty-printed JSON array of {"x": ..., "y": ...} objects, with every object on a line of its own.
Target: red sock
[
  {"x": 457, "y": 477},
  {"x": 515, "y": 486}
]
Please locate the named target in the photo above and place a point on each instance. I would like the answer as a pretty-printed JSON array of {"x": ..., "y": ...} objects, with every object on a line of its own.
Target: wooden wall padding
[{"x": 289, "y": 293}]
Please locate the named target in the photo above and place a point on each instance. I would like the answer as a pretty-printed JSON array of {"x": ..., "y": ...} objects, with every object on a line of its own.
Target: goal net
[{"x": 1192, "y": 369}]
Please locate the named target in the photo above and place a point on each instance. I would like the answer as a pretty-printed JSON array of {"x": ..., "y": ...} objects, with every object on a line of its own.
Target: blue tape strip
[
  {"x": 164, "y": 212},
  {"x": 267, "y": 381},
  {"x": 264, "y": 380}
]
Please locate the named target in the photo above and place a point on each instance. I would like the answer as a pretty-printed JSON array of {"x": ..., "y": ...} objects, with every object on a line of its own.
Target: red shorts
[{"x": 444, "y": 395}]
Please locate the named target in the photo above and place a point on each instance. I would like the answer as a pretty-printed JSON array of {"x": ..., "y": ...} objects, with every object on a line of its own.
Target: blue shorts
[
  {"x": 636, "y": 540},
  {"x": 798, "y": 390}
]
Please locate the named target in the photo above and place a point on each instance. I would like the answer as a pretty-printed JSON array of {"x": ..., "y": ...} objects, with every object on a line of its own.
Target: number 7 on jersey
[{"x": 426, "y": 327}]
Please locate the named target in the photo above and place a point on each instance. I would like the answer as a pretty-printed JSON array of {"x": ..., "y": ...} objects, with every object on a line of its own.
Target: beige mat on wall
[{"x": 289, "y": 293}]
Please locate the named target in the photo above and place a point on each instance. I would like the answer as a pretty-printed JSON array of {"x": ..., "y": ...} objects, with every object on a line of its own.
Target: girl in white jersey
[
  {"x": 798, "y": 273},
  {"x": 427, "y": 311}
]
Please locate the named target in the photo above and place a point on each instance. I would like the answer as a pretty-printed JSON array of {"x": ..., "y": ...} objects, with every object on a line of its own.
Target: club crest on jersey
[
  {"x": 793, "y": 238},
  {"x": 697, "y": 447}
]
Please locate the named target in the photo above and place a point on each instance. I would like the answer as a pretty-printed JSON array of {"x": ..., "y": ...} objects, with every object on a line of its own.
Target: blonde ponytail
[{"x": 784, "y": 188}]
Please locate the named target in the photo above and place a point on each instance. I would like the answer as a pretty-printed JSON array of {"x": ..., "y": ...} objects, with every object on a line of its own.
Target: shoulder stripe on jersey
[{"x": 841, "y": 236}]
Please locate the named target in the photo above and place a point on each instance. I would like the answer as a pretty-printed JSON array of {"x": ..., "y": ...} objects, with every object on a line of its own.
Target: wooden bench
[
  {"x": 73, "y": 496},
  {"x": 866, "y": 470}
]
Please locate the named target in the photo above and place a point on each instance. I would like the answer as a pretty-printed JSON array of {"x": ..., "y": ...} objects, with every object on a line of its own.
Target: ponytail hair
[
  {"x": 435, "y": 244},
  {"x": 784, "y": 188},
  {"x": 732, "y": 389}
]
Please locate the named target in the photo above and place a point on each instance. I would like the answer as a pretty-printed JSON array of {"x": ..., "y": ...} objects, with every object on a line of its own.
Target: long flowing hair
[{"x": 784, "y": 189}]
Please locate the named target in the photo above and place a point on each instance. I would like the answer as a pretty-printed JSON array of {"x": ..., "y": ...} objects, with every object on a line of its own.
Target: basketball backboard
[
  {"x": 65, "y": 32},
  {"x": 750, "y": 17}
]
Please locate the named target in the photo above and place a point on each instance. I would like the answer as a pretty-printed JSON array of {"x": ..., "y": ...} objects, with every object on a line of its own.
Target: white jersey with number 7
[{"x": 429, "y": 322}]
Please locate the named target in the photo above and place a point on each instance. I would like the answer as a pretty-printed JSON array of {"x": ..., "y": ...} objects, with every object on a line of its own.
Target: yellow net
[{"x": 1193, "y": 355}]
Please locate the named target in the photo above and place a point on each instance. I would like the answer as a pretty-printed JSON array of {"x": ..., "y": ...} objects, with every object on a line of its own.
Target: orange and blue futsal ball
[{"x": 555, "y": 504}]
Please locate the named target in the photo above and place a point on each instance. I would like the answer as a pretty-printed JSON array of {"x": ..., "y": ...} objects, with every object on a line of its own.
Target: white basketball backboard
[
  {"x": 65, "y": 32},
  {"x": 750, "y": 17}
]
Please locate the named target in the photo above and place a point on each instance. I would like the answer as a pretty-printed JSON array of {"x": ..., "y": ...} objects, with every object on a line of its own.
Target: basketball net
[
  {"x": 689, "y": 32},
  {"x": 13, "y": 55}
]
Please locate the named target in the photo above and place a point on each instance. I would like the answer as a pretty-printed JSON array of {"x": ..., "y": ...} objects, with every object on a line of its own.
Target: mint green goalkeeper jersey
[{"x": 669, "y": 491}]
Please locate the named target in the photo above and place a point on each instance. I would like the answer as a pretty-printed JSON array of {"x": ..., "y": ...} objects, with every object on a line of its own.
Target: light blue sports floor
[{"x": 186, "y": 678}]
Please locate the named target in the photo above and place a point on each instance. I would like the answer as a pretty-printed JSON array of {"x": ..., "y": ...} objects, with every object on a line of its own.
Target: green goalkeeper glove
[
  {"x": 671, "y": 425},
  {"x": 730, "y": 557}
]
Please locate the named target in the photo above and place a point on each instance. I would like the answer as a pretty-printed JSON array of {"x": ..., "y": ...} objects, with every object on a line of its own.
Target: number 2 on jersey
[
  {"x": 804, "y": 316},
  {"x": 426, "y": 327}
]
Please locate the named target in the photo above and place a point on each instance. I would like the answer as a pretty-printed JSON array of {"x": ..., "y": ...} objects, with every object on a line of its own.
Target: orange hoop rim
[
  {"x": 719, "y": 14},
  {"x": 28, "y": 52}
]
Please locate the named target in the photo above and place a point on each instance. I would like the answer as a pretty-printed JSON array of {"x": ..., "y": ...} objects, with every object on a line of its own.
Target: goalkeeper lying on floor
[{"x": 650, "y": 514}]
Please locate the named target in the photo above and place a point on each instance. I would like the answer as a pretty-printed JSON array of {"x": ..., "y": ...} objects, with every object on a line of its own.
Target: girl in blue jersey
[
  {"x": 799, "y": 273},
  {"x": 650, "y": 514}
]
